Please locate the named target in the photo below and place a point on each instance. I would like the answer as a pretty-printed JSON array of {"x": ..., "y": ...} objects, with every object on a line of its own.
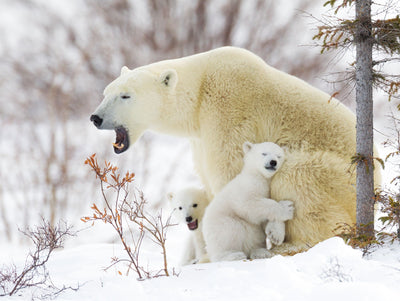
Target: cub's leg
[
  {"x": 230, "y": 256},
  {"x": 189, "y": 254}
]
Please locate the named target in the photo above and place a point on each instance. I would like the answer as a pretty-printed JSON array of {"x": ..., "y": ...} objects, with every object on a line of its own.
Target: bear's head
[
  {"x": 133, "y": 103},
  {"x": 189, "y": 205},
  {"x": 265, "y": 158}
]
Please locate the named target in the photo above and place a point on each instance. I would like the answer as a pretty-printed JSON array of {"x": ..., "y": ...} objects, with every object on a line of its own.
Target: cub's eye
[
  {"x": 264, "y": 154},
  {"x": 180, "y": 208},
  {"x": 125, "y": 96},
  {"x": 194, "y": 205}
]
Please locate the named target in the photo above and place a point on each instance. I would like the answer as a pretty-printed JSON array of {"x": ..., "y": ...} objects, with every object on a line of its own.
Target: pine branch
[{"x": 386, "y": 34}]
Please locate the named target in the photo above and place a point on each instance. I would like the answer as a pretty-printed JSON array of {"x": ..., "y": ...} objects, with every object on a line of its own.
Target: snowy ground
[{"x": 329, "y": 271}]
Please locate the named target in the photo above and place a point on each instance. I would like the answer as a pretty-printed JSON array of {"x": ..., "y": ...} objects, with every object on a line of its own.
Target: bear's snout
[
  {"x": 271, "y": 165},
  {"x": 189, "y": 219},
  {"x": 97, "y": 121}
]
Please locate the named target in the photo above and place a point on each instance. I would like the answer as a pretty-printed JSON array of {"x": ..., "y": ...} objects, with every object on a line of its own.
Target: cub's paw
[
  {"x": 194, "y": 261},
  {"x": 260, "y": 254},
  {"x": 287, "y": 210},
  {"x": 204, "y": 259},
  {"x": 275, "y": 232}
]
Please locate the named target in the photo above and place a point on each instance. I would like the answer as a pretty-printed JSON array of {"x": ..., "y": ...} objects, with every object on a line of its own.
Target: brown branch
[
  {"x": 46, "y": 239},
  {"x": 134, "y": 210}
]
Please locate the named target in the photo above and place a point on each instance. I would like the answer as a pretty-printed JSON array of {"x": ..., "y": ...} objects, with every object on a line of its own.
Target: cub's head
[
  {"x": 133, "y": 103},
  {"x": 265, "y": 158},
  {"x": 189, "y": 205}
]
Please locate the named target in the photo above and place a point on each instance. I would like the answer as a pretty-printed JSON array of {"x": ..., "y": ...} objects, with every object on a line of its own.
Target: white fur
[
  {"x": 233, "y": 222},
  {"x": 221, "y": 98},
  {"x": 189, "y": 205}
]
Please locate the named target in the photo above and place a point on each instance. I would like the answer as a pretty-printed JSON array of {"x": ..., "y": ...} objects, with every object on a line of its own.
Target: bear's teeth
[{"x": 119, "y": 146}]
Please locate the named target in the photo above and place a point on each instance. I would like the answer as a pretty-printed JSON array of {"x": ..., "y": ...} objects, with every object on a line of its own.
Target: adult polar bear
[{"x": 224, "y": 97}]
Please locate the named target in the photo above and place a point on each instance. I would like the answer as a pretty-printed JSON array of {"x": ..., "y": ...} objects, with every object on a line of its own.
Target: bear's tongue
[{"x": 193, "y": 225}]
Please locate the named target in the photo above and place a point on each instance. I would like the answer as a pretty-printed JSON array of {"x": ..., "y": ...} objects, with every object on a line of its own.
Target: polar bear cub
[
  {"x": 189, "y": 205},
  {"x": 233, "y": 224}
]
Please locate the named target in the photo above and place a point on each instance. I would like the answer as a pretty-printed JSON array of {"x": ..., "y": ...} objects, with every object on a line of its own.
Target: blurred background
[{"x": 57, "y": 56}]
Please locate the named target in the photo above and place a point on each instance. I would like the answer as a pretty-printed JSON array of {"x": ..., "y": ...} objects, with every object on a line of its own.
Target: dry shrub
[
  {"x": 390, "y": 207},
  {"x": 357, "y": 238},
  {"x": 34, "y": 274},
  {"x": 128, "y": 209}
]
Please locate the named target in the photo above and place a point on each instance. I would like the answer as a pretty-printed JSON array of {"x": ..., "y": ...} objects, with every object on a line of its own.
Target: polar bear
[
  {"x": 224, "y": 97},
  {"x": 189, "y": 205},
  {"x": 233, "y": 222}
]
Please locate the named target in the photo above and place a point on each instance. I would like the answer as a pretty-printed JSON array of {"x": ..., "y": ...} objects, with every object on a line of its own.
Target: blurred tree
[
  {"x": 65, "y": 52},
  {"x": 71, "y": 59}
]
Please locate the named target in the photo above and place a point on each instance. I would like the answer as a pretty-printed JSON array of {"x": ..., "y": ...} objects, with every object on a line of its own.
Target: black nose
[
  {"x": 97, "y": 121},
  {"x": 189, "y": 219},
  {"x": 273, "y": 163}
]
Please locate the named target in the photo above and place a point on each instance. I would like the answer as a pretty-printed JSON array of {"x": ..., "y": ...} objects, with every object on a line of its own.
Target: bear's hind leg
[{"x": 321, "y": 187}]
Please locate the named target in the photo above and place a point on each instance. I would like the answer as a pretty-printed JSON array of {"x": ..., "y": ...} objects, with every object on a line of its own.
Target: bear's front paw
[{"x": 287, "y": 210}]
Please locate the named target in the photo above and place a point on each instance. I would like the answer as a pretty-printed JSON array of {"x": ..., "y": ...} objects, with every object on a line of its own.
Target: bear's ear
[
  {"x": 169, "y": 78},
  {"x": 170, "y": 196},
  {"x": 124, "y": 70},
  {"x": 247, "y": 146}
]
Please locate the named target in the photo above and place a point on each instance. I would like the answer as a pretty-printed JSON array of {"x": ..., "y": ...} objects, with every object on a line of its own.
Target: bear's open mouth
[
  {"x": 121, "y": 140},
  {"x": 193, "y": 225}
]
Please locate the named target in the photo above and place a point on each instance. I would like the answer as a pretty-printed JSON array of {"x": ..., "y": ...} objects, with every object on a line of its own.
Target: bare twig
[
  {"x": 131, "y": 209},
  {"x": 45, "y": 238}
]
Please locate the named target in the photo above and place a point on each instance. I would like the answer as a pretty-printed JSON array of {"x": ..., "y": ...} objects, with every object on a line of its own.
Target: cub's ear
[
  {"x": 247, "y": 146},
  {"x": 169, "y": 78},
  {"x": 170, "y": 196},
  {"x": 124, "y": 70}
]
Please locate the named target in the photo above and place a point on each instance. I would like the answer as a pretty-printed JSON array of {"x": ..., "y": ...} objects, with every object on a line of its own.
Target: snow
[{"x": 331, "y": 270}]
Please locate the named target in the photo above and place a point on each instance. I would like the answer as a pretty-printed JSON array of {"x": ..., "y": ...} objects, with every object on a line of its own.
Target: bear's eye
[
  {"x": 264, "y": 154},
  {"x": 180, "y": 208},
  {"x": 125, "y": 96},
  {"x": 194, "y": 205}
]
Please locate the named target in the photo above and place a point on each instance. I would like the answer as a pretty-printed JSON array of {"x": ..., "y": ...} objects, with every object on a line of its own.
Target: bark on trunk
[{"x": 365, "y": 174}]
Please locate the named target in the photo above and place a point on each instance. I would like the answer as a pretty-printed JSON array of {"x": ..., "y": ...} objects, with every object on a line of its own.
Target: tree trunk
[{"x": 365, "y": 174}]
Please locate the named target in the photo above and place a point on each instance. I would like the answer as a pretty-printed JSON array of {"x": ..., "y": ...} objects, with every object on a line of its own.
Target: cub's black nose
[
  {"x": 189, "y": 219},
  {"x": 273, "y": 163},
  {"x": 97, "y": 121}
]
